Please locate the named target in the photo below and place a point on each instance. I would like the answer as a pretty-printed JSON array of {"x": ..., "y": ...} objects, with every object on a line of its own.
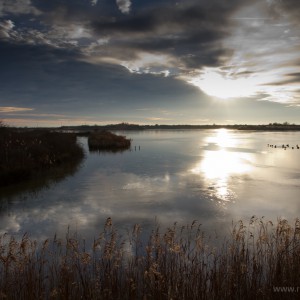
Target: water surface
[{"x": 214, "y": 176}]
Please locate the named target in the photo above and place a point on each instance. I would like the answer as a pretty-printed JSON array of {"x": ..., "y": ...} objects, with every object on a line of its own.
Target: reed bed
[
  {"x": 107, "y": 141},
  {"x": 176, "y": 263},
  {"x": 25, "y": 154}
]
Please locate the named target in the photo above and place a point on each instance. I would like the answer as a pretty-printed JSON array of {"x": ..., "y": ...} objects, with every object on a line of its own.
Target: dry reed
[
  {"x": 108, "y": 141},
  {"x": 25, "y": 154},
  {"x": 177, "y": 263}
]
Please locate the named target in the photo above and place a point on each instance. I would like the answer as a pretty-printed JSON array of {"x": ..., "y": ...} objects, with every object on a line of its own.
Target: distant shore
[
  {"x": 286, "y": 126},
  {"x": 126, "y": 126}
]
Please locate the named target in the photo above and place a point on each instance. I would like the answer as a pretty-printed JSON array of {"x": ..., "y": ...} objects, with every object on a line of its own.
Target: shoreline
[{"x": 137, "y": 127}]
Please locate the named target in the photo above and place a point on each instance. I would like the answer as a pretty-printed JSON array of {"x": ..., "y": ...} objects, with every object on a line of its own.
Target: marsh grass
[
  {"x": 24, "y": 155},
  {"x": 177, "y": 263},
  {"x": 107, "y": 141}
]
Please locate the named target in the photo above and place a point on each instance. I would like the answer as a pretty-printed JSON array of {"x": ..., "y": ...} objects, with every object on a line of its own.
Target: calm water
[{"x": 214, "y": 176}]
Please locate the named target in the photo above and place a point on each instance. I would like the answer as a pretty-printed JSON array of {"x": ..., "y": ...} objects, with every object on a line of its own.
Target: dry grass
[
  {"x": 25, "y": 154},
  {"x": 179, "y": 263},
  {"x": 105, "y": 140}
]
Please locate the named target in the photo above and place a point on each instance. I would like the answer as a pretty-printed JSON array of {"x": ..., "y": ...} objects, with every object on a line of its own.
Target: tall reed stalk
[{"x": 177, "y": 263}]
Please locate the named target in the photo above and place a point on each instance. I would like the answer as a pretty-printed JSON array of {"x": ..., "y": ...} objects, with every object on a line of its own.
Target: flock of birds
[{"x": 284, "y": 146}]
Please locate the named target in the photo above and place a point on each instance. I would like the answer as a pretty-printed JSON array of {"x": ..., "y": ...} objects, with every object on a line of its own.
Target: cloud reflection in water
[{"x": 214, "y": 176}]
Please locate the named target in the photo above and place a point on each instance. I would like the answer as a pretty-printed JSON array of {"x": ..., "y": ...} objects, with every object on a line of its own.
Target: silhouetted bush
[
  {"x": 105, "y": 140},
  {"x": 24, "y": 154}
]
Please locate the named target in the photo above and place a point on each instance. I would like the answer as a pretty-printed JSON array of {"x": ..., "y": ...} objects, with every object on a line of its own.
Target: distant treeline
[{"x": 126, "y": 126}]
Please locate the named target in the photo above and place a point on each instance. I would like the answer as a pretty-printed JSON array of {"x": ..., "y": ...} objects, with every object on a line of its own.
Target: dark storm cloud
[
  {"x": 17, "y": 7},
  {"x": 191, "y": 32},
  {"x": 122, "y": 57},
  {"x": 27, "y": 76},
  {"x": 66, "y": 10},
  {"x": 288, "y": 79},
  {"x": 52, "y": 80},
  {"x": 297, "y": 74}
]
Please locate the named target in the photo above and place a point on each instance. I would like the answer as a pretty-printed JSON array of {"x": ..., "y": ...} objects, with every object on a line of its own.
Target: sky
[{"x": 76, "y": 62}]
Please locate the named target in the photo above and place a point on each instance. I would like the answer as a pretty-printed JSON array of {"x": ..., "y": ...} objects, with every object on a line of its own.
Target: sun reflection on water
[
  {"x": 218, "y": 166},
  {"x": 222, "y": 138}
]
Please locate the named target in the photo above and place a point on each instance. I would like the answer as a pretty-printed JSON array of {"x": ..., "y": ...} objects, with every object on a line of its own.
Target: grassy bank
[
  {"x": 105, "y": 140},
  {"x": 179, "y": 263},
  {"x": 24, "y": 155}
]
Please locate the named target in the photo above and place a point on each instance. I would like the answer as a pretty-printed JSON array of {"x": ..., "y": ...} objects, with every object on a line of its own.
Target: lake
[{"x": 213, "y": 176}]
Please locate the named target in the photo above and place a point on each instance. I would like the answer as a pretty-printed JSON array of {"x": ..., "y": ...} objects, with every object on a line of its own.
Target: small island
[{"x": 107, "y": 141}]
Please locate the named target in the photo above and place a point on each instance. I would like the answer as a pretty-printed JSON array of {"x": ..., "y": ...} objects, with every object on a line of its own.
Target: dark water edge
[{"x": 42, "y": 179}]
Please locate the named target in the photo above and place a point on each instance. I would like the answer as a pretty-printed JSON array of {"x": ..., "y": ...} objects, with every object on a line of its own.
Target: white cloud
[
  {"x": 219, "y": 84},
  {"x": 59, "y": 36},
  {"x": 94, "y": 2},
  {"x": 12, "y": 109},
  {"x": 17, "y": 7},
  {"x": 69, "y": 31},
  {"x": 124, "y": 6},
  {"x": 149, "y": 63},
  {"x": 5, "y": 27}
]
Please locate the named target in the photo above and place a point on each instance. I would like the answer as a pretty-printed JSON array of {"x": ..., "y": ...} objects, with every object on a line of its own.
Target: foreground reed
[{"x": 255, "y": 262}]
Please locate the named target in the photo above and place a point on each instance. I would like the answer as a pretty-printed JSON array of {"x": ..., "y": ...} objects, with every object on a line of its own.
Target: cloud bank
[{"x": 101, "y": 50}]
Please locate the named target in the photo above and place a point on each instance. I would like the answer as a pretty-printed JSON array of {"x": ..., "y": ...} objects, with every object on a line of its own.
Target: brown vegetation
[
  {"x": 179, "y": 263},
  {"x": 23, "y": 154},
  {"x": 105, "y": 140}
]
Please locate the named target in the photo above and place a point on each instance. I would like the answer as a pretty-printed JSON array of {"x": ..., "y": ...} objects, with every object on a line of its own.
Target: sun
[{"x": 217, "y": 84}]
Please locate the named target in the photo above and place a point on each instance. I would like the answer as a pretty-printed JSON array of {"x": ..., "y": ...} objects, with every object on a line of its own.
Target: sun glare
[
  {"x": 222, "y": 138},
  {"x": 222, "y": 163},
  {"x": 218, "y": 166},
  {"x": 214, "y": 83}
]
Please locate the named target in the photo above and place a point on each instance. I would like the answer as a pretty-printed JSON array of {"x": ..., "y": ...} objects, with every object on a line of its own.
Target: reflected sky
[
  {"x": 214, "y": 176},
  {"x": 220, "y": 162}
]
